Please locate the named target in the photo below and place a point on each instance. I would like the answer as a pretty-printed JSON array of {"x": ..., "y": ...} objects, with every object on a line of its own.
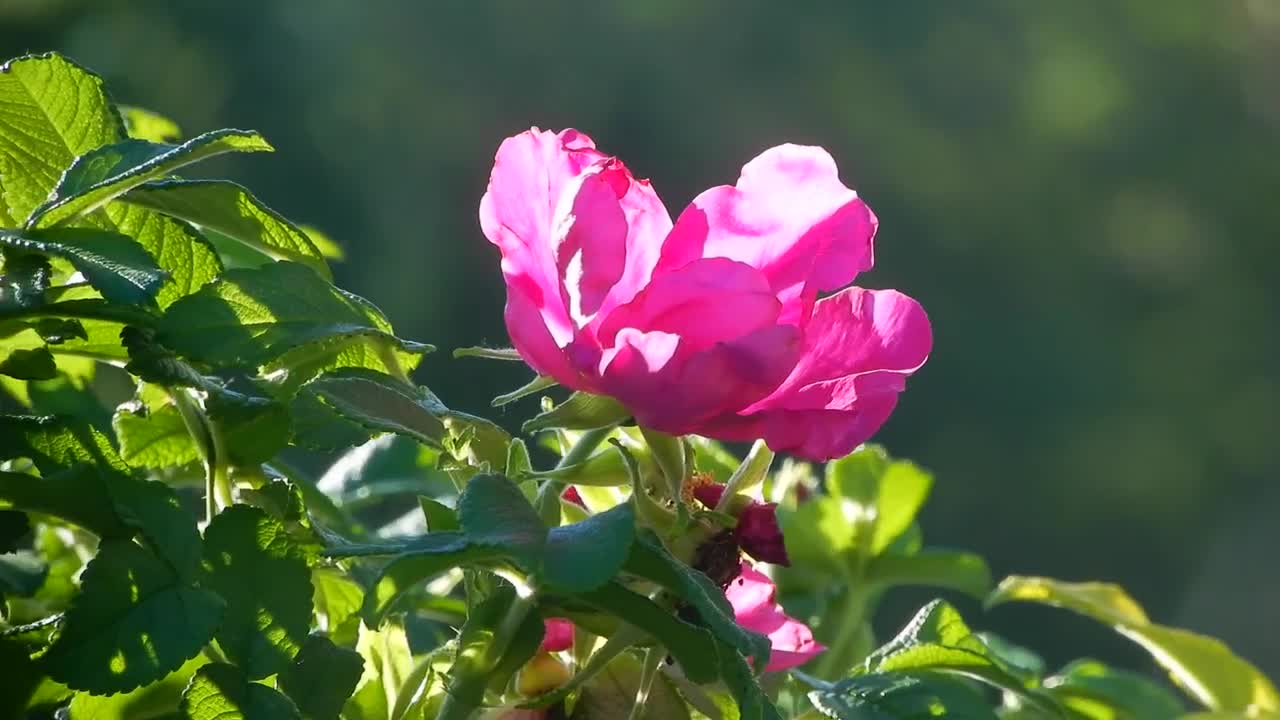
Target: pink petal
[
  {"x": 860, "y": 343},
  {"x": 557, "y": 635},
  {"x": 788, "y": 216},
  {"x": 671, "y": 385},
  {"x": 752, "y": 596},
  {"x": 704, "y": 302}
]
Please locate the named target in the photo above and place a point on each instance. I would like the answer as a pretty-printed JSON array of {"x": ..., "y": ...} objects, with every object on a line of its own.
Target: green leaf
[
  {"x": 155, "y": 510},
  {"x": 251, "y": 316},
  {"x": 508, "y": 354},
  {"x": 439, "y": 517},
  {"x": 321, "y": 678},
  {"x": 234, "y": 212},
  {"x": 587, "y": 554},
  {"x": 886, "y": 494},
  {"x": 1202, "y": 666},
  {"x": 650, "y": 560},
  {"x": 178, "y": 249},
  {"x": 962, "y": 571},
  {"x": 55, "y": 444},
  {"x": 133, "y": 623},
  {"x": 432, "y": 555},
  {"x": 691, "y": 646},
  {"x": 157, "y": 701},
  {"x": 222, "y": 692},
  {"x": 107, "y": 172},
  {"x": 611, "y": 694},
  {"x": 1098, "y": 692},
  {"x": 582, "y": 411},
  {"x": 114, "y": 264},
  {"x": 251, "y": 562},
  {"x": 24, "y": 356},
  {"x": 158, "y": 439},
  {"x": 21, "y": 678},
  {"x": 335, "y": 595},
  {"x": 51, "y": 111},
  {"x": 753, "y": 704},
  {"x": 938, "y": 640},
  {"x": 379, "y": 402},
  {"x": 77, "y": 495},
  {"x": 901, "y": 696},
  {"x": 476, "y": 666},
  {"x": 387, "y": 663},
  {"x": 147, "y": 125},
  {"x": 494, "y": 513},
  {"x": 14, "y": 525},
  {"x": 533, "y": 387},
  {"x": 21, "y": 573}
]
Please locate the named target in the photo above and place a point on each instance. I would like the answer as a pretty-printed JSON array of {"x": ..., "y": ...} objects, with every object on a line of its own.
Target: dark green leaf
[
  {"x": 234, "y": 212},
  {"x": 55, "y": 443},
  {"x": 252, "y": 316},
  {"x": 254, "y": 428},
  {"x": 14, "y": 525},
  {"x": 34, "y": 363},
  {"x": 582, "y": 411},
  {"x": 493, "y": 512},
  {"x": 251, "y": 562},
  {"x": 114, "y": 264},
  {"x": 588, "y": 554},
  {"x": 222, "y": 692},
  {"x": 51, "y": 111},
  {"x": 107, "y": 172},
  {"x": 78, "y": 495},
  {"x": 691, "y": 646},
  {"x": 25, "y": 278},
  {"x": 478, "y": 664},
  {"x": 133, "y": 623},
  {"x": 901, "y": 696},
  {"x": 753, "y": 703},
  {"x": 1088, "y": 687},
  {"x": 432, "y": 555},
  {"x": 379, "y": 402},
  {"x": 21, "y": 573},
  {"x": 1203, "y": 666},
  {"x": 317, "y": 425},
  {"x": 155, "y": 510},
  {"x": 321, "y": 678},
  {"x": 21, "y": 678},
  {"x": 650, "y": 560}
]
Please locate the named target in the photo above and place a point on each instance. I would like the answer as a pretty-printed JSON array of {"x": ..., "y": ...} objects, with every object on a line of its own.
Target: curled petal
[
  {"x": 759, "y": 535},
  {"x": 790, "y": 217},
  {"x": 752, "y": 596}
]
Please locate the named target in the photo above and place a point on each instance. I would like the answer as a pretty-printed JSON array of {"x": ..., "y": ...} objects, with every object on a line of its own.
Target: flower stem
[
  {"x": 470, "y": 674},
  {"x": 547, "y": 502},
  {"x": 852, "y": 637},
  {"x": 201, "y": 431},
  {"x": 750, "y": 473},
  {"x": 649, "y": 671}
]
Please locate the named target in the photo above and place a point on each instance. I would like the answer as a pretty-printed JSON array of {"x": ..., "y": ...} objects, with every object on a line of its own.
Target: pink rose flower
[
  {"x": 752, "y": 596},
  {"x": 711, "y": 325}
]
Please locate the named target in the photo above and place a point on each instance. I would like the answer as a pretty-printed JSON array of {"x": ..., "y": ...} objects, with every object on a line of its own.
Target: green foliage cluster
[{"x": 163, "y": 557}]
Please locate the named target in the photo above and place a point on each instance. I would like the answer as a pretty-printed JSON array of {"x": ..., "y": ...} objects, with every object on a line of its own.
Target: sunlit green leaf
[
  {"x": 379, "y": 402},
  {"x": 612, "y": 693},
  {"x": 582, "y": 411},
  {"x": 107, "y": 172},
  {"x": 235, "y": 212},
  {"x": 156, "y": 701},
  {"x": 1098, "y": 692},
  {"x": 114, "y": 264},
  {"x": 901, "y": 696},
  {"x": 158, "y": 439},
  {"x": 1202, "y": 666},
  {"x": 387, "y": 663},
  {"x": 222, "y": 692},
  {"x": 145, "y": 124}
]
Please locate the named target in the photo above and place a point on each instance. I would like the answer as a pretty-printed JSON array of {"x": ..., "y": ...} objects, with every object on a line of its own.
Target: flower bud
[{"x": 542, "y": 674}]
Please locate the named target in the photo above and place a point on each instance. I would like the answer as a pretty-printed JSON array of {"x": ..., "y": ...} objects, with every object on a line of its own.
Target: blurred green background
[{"x": 1083, "y": 195}]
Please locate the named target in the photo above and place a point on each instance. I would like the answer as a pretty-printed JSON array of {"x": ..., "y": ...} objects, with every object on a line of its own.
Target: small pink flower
[
  {"x": 712, "y": 324},
  {"x": 757, "y": 531},
  {"x": 571, "y": 494},
  {"x": 752, "y": 596},
  {"x": 557, "y": 635}
]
